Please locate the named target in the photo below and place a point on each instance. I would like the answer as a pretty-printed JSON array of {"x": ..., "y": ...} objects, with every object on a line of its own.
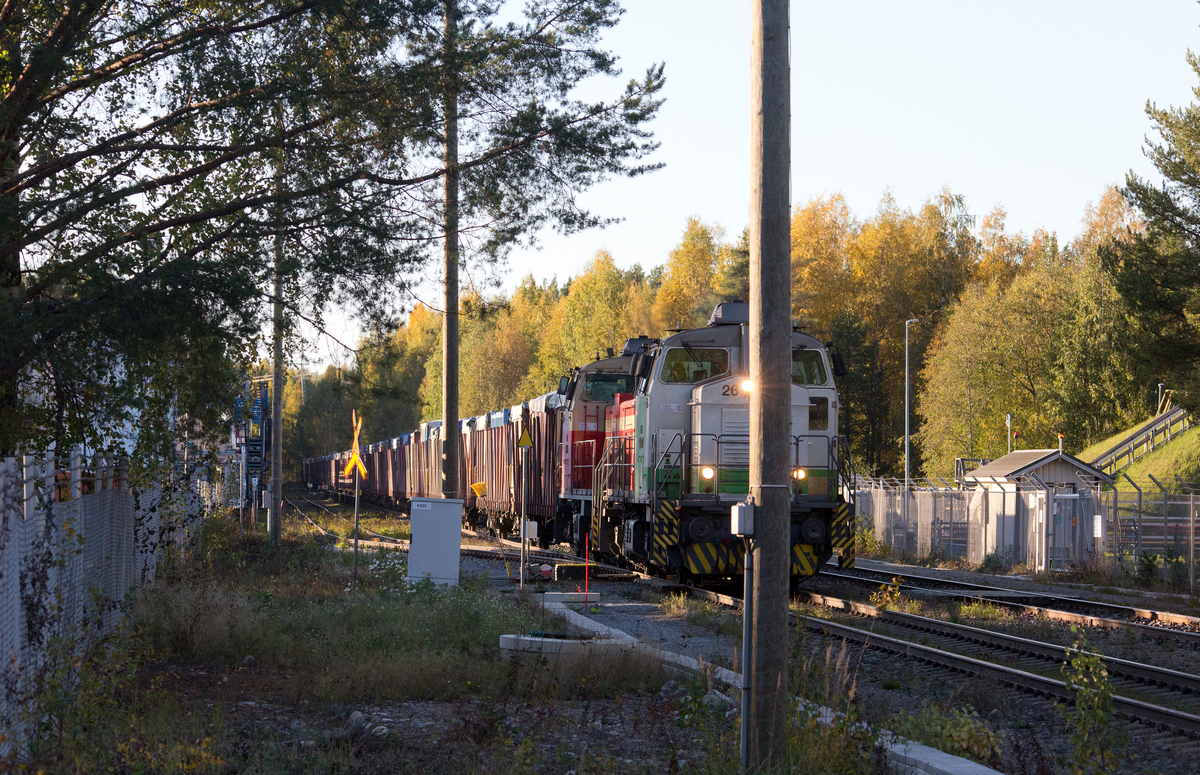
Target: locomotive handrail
[
  {"x": 659, "y": 487},
  {"x": 575, "y": 465},
  {"x": 846, "y": 471},
  {"x": 603, "y": 471}
]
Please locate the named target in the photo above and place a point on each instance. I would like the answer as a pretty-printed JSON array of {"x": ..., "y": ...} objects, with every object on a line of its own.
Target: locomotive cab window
[
  {"x": 604, "y": 387},
  {"x": 808, "y": 368},
  {"x": 689, "y": 365}
]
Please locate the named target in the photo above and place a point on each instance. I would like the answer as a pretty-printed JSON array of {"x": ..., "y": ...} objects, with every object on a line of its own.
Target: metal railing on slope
[{"x": 1166, "y": 426}]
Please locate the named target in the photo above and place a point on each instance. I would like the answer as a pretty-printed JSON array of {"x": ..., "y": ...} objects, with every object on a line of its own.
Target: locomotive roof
[
  {"x": 727, "y": 335},
  {"x": 619, "y": 364}
]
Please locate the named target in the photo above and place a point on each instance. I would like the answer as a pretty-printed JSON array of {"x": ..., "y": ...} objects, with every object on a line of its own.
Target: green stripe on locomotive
[{"x": 736, "y": 481}]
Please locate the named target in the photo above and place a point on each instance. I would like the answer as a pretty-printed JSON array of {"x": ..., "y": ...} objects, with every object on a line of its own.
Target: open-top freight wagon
[{"x": 639, "y": 456}]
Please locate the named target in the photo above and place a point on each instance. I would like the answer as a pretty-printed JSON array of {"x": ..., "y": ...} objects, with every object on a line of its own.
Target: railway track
[
  {"x": 1158, "y": 624},
  {"x": 361, "y": 529},
  {"x": 508, "y": 550},
  {"x": 1159, "y": 698},
  {"x": 1180, "y": 688}
]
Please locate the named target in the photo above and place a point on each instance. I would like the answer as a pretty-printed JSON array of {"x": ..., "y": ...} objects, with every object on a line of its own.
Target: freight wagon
[{"x": 638, "y": 457}]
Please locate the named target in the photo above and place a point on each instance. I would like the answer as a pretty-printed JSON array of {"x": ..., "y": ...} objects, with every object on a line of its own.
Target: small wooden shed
[{"x": 1037, "y": 506}]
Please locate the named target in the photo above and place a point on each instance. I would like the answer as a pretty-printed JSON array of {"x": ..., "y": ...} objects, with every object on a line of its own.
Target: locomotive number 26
[{"x": 729, "y": 390}]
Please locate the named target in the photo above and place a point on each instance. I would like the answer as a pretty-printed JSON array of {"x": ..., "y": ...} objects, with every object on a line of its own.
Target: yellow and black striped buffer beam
[
  {"x": 594, "y": 531},
  {"x": 710, "y": 559},
  {"x": 842, "y": 535},
  {"x": 665, "y": 531},
  {"x": 804, "y": 560}
]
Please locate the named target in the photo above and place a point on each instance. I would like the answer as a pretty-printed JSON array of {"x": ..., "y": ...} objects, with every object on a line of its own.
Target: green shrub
[
  {"x": 981, "y": 609},
  {"x": 1095, "y": 747},
  {"x": 702, "y": 613},
  {"x": 1147, "y": 572},
  {"x": 888, "y": 595},
  {"x": 867, "y": 545},
  {"x": 1000, "y": 561},
  {"x": 958, "y": 731}
]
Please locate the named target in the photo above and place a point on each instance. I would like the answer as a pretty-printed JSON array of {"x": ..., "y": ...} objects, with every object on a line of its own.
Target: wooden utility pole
[
  {"x": 771, "y": 377},
  {"x": 450, "y": 434}
]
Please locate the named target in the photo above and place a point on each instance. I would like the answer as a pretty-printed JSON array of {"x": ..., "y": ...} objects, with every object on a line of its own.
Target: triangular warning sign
[{"x": 525, "y": 441}]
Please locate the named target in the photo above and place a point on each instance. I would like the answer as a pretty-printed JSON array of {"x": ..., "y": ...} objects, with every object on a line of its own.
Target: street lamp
[{"x": 907, "y": 483}]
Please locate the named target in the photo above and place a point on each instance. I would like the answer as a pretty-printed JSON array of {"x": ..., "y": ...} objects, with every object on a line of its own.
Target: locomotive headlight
[
  {"x": 707, "y": 472},
  {"x": 747, "y": 385},
  {"x": 798, "y": 474}
]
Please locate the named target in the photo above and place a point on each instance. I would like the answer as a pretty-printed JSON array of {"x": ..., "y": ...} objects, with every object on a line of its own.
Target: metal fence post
[
  {"x": 1047, "y": 562},
  {"x": 1137, "y": 549},
  {"x": 76, "y": 485},
  {"x": 1166, "y": 509},
  {"x": 1118, "y": 544}
]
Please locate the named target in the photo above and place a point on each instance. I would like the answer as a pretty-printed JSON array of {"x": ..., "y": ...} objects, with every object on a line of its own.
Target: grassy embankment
[
  {"x": 1094, "y": 451},
  {"x": 249, "y": 626},
  {"x": 1179, "y": 457}
]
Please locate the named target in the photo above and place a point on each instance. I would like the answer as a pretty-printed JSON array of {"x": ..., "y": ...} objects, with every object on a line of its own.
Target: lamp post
[
  {"x": 907, "y": 483},
  {"x": 1008, "y": 425}
]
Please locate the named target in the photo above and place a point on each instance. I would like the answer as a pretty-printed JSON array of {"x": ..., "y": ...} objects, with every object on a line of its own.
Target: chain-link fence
[
  {"x": 1151, "y": 527},
  {"x": 75, "y": 540},
  {"x": 1021, "y": 521},
  {"x": 1143, "y": 527}
]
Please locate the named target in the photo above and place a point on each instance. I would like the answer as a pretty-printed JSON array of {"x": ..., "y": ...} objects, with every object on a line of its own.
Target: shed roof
[{"x": 1020, "y": 463}]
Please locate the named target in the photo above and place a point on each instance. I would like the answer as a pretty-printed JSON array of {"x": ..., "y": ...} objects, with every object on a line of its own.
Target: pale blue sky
[{"x": 1036, "y": 106}]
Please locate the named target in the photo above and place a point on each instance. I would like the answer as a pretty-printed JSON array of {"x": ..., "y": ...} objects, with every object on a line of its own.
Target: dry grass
[
  {"x": 817, "y": 742},
  {"x": 341, "y": 521},
  {"x": 291, "y": 608},
  {"x": 702, "y": 613},
  {"x": 320, "y": 646},
  {"x": 981, "y": 610}
]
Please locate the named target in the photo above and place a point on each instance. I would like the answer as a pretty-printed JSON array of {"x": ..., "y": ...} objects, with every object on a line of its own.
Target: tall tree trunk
[
  {"x": 10, "y": 255},
  {"x": 276, "y": 515}
]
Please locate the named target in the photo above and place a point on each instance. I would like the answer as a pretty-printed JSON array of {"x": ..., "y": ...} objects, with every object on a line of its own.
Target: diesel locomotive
[{"x": 638, "y": 456}]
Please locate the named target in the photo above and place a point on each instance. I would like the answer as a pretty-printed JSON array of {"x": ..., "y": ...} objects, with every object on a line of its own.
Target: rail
[
  {"x": 1147, "y": 673},
  {"x": 1167, "y": 625},
  {"x": 1179, "y": 720}
]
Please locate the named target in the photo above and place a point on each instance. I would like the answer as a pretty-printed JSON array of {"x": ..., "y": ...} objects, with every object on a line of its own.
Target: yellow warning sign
[
  {"x": 355, "y": 460},
  {"x": 525, "y": 441}
]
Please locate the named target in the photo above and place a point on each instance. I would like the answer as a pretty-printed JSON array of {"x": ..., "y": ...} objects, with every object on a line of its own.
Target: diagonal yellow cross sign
[{"x": 355, "y": 460}]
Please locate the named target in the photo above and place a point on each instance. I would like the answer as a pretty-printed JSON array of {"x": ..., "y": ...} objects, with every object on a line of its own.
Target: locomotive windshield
[
  {"x": 689, "y": 365},
  {"x": 604, "y": 387},
  {"x": 808, "y": 368}
]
